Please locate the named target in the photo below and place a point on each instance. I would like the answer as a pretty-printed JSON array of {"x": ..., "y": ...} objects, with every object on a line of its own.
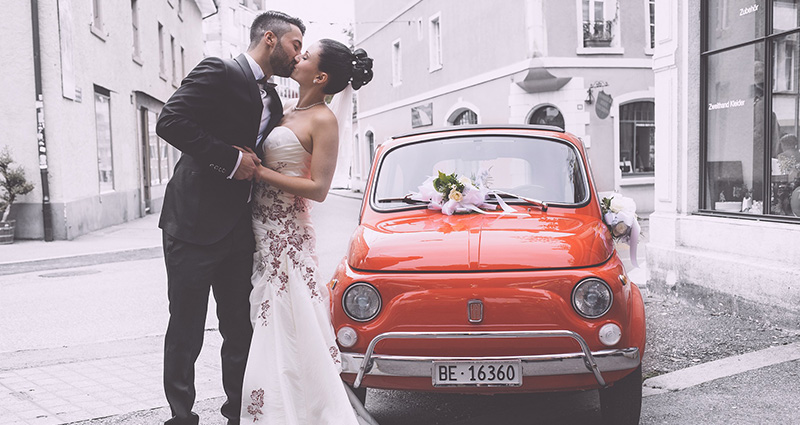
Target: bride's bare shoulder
[{"x": 324, "y": 117}]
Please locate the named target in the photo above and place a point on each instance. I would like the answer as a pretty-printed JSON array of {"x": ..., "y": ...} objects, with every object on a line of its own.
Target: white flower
[
  {"x": 456, "y": 195},
  {"x": 622, "y": 204},
  {"x": 465, "y": 181}
]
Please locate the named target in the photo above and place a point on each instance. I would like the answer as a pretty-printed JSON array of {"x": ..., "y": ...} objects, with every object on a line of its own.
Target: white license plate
[{"x": 475, "y": 373}]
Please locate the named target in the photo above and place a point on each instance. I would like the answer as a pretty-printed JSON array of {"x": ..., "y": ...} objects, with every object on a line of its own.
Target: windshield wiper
[
  {"x": 407, "y": 199},
  {"x": 536, "y": 202}
]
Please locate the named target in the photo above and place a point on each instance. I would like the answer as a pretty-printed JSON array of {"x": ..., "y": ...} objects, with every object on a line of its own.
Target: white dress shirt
[{"x": 258, "y": 73}]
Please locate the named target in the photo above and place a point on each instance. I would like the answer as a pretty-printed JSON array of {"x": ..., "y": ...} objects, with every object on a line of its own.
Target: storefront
[
  {"x": 751, "y": 160},
  {"x": 728, "y": 175}
]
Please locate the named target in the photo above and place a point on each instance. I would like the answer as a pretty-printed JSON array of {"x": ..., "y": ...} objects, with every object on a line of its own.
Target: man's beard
[{"x": 282, "y": 65}]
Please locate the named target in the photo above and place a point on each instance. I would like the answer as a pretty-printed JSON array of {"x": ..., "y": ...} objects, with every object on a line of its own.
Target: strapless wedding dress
[{"x": 292, "y": 375}]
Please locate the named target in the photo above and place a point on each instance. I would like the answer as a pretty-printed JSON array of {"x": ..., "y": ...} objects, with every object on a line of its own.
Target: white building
[
  {"x": 106, "y": 70},
  {"x": 227, "y": 35},
  {"x": 440, "y": 63},
  {"x": 727, "y": 191}
]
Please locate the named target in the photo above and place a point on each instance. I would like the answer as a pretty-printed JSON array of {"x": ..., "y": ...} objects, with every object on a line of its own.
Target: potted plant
[{"x": 12, "y": 184}]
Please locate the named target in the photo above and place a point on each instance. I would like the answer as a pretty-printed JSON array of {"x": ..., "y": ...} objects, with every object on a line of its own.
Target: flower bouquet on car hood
[
  {"x": 453, "y": 193},
  {"x": 619, "y": 214}
]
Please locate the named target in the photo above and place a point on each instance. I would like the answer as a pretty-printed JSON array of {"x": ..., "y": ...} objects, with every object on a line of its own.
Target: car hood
[{"x": 475, "y": 242}]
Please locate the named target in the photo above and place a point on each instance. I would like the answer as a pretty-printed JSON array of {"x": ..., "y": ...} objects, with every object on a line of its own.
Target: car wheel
[{"x": 621, "y": 404}]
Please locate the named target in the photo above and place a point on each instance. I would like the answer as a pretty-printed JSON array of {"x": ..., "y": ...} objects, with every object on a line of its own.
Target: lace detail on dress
[
  {"x": 287, "y": 235},
  {"x": 257, "y": 397},
  {"x": 335, "y": 354}
]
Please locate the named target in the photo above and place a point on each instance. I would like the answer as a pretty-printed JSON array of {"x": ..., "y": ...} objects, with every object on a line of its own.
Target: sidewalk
[
  {"x": 120, "y": 381},
  {"x": 136, "y": 239}
]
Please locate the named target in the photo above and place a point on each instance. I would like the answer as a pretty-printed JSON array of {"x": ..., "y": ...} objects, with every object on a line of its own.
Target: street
[{"x": 83, "y": 345}]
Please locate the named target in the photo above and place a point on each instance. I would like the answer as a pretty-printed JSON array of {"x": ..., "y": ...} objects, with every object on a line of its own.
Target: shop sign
[
  {"x": 422, "y": 115},
  {"x": 603, "y": 105}
]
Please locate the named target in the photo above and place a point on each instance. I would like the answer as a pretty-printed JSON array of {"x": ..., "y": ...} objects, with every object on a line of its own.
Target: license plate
[{"x": 477, "y": 373}]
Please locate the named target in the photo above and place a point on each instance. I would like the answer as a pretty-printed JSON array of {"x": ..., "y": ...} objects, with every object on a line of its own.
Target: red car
[{"x": 523, "y": 292}]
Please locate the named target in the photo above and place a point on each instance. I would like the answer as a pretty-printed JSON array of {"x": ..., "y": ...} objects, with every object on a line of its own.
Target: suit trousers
[{"x": 224, "y": 267}]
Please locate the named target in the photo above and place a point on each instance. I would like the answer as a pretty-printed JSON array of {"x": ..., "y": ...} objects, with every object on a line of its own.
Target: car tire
[{"x": 621, "y": 404}]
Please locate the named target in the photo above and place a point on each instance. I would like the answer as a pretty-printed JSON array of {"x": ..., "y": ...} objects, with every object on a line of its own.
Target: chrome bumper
[{"x": 584, "y": 361}]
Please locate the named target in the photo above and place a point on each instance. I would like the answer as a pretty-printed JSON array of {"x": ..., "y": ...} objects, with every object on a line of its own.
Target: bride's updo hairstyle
[{"x": 343, "y": 66}]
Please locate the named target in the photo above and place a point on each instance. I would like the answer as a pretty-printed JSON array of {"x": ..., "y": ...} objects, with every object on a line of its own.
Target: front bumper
[{"x": 584, "y": 361}]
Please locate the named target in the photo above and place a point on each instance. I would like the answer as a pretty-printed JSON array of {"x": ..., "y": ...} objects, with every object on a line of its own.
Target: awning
[
  {"x": 540, "y": 79},
  {"x": 207, "y": 7}
]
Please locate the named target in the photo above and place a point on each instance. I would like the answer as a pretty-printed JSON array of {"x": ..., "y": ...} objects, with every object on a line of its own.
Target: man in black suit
[{"x": 207, "y": 235}]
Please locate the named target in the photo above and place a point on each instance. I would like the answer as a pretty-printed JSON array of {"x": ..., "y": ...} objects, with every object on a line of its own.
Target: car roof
[{"x": 484, "y": 130}]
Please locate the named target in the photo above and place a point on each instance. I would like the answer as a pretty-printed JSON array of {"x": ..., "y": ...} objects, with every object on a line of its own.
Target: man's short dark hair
[{"x": 277, "y": 22}]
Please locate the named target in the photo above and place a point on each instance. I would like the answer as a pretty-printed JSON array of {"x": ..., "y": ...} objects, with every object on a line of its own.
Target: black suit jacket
[{"x": 217, "y": 106}]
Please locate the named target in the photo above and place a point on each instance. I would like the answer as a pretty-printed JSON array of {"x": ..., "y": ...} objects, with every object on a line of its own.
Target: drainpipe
[{"x": 47, "y": 214}]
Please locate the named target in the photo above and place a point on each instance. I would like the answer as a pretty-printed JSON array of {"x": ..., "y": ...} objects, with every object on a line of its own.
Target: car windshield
[{"x": 543, "y": 169}]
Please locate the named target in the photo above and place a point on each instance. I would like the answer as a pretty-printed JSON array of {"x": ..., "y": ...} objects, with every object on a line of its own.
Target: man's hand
[{"x": 248, "y": 167}]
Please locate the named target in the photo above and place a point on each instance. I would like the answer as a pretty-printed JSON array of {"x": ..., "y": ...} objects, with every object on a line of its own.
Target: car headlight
[
  {"x": 361, "y": 302},
  {"x": 592, "y": 298}
]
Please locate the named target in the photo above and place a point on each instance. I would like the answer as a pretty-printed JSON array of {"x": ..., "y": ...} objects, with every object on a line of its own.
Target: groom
[{"x": 207, "y": 236}]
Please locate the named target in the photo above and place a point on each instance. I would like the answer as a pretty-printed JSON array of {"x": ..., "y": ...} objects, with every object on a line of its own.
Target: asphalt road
[{"x": 115, "y": 308}]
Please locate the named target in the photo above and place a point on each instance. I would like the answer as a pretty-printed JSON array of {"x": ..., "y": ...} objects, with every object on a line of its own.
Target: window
[
  {"x": 435, "y": 46},
  {"x": 174, "y": 58},
  {"x": 600, "y": 23},
  {"x": 547, "y": 115},
  {"x": 733, "y": 22},
  {"x": 370, "y": 136},
  {"x": 135, "y": 28},
  {"x": 637, "y": 138},
  {"x": 467, "y": 116},
  {"x": 102, "y": 115},
  {"x": 397, "y": 64},
  {"x": 183, "y": 62},
  {"x": 651, "y": 26},
  {"x": 784, "y": 156},
  {"x": 162, "y": 65},
  {"x": 97, "y": 27},
  {"x": 751, "y": 108},
  {"x": 180, "y": 8},
  {"x": 160, "y": 155},
  {"x": 518, "y": 164}
]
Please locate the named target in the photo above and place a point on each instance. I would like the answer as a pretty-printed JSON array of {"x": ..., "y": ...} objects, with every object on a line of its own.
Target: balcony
[{"x": 598, "y": 33}]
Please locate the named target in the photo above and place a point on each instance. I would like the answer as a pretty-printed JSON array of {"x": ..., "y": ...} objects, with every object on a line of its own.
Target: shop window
[
  {"x": 732, "y": 22},
  {"x": 751, "y": 67},
  {"x": 105, "y": 159},
  {"x": 784, "y": 154},
  {"x": 547, "y": 115},
  {"x": 785, "y": 15},
  {"x": 465, "y": 117},
  {"x": 637, "y": 138},
  {"x": 737, "y": 127},
  {"x": 600, "y": 23}
]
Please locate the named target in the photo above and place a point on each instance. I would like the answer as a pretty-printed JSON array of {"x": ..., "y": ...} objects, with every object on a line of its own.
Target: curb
[
  {"x": 722, "y": 368},
  {"x": 80, "y": 260}
]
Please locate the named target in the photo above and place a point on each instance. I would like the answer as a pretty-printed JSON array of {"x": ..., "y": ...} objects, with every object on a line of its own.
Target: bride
[{"x": 292, "y": 374}]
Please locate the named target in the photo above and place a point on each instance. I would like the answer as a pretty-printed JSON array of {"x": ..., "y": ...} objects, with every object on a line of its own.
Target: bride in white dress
[{"x": 292, "y": 375}]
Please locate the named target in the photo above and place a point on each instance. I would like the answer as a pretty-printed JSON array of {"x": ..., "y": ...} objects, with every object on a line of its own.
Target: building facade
[
  {"x": 106, "y": 70},
  {"x": 583, "y": 65},
  {"x": 227, "y": 35},
  {"x": 727, "y": 202}
]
